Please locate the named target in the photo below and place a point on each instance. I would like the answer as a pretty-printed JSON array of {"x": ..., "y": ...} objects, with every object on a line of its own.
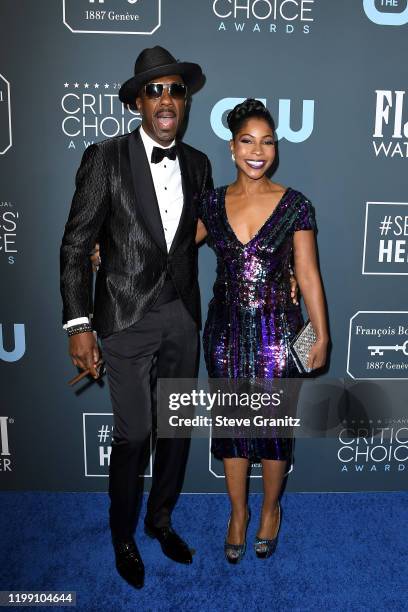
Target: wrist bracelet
[{"x": 79, "y": 329}]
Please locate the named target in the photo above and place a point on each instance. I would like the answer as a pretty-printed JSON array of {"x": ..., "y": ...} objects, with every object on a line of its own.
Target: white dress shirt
[
  {"x": 166, "y": 177},
  {"x": 169, "y": 190}
]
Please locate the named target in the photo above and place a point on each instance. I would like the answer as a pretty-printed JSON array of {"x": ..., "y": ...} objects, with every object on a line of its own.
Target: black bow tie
[{"x": 158, "y": 154}]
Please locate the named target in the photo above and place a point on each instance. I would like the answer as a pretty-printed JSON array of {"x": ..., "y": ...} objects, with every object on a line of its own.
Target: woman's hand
[
  {"x": 317, "y": 355},
  {"x": 95, "y": 258},
  {"x": 201, "y": 232},
  {"x": 294, "y": 289}
]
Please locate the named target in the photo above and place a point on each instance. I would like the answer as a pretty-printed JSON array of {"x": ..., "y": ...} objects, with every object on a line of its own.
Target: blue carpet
[{"x": 340, "y": 552}]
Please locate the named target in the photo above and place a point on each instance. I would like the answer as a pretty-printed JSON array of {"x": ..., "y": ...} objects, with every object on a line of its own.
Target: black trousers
[{"x": 164, "y": 344}]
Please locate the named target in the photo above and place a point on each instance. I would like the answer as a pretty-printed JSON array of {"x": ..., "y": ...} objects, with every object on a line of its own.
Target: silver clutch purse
[{"x": 301, "y": 345}]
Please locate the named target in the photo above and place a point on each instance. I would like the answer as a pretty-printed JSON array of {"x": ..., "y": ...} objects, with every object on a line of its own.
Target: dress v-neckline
[{"x": 229, "y": 226}]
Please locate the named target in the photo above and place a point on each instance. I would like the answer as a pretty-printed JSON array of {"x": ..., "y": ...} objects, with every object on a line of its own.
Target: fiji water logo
[
  {"x": 283, "y": 130},
  {"x": 390, "y": 136},
  {"x": 16, "y": 347},
  {"x": 387, "y": 12}
]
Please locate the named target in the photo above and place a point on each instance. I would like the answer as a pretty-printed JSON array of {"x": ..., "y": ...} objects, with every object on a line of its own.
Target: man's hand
[
  {"x": 95, "y": 258},
  {"x": 84, "y": 352},
  {"x": 294, "y": 289}
]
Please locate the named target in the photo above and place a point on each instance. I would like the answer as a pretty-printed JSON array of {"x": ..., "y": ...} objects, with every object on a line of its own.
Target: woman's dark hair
[{"x": 246, "y": 110}]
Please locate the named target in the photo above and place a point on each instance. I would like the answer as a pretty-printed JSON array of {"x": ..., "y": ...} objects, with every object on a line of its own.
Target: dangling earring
[{"x": 233, "y": 157}]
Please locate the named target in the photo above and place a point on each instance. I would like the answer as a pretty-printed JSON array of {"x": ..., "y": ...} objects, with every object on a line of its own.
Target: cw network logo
[
  {"x": 19, "y": 344},
  {"x": 283, "y": 129},
  {"x": 387, "y": 12}
]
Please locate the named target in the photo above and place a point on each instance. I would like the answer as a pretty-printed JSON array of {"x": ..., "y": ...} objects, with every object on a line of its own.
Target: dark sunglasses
[{"x": 178, "y": 91}]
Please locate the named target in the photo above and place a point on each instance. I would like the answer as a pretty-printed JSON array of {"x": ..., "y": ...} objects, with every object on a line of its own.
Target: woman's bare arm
[{"x": 311, "y": 287}]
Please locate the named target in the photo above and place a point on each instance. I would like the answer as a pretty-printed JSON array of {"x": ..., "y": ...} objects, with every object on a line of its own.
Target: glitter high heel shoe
[
  {"x": 264, "y": 547},
  {"x": 235, "y": 552}
]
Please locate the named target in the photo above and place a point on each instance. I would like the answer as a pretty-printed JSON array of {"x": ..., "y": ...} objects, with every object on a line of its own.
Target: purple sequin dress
[{"x": 251, "y": 318}]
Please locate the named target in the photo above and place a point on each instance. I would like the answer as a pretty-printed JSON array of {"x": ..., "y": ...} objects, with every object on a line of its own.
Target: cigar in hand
[{"x": 100, "y": 368}]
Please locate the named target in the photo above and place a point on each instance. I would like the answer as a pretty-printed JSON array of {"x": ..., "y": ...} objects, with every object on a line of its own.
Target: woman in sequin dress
[{"x": 255, "y": 227}]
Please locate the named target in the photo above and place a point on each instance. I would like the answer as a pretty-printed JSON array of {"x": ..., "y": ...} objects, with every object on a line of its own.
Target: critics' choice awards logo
[
  {"x": 286, "y": 16},
  {"x": 374, "y": 448},
  {"x": 387, "y": 12},
  {"x": 5, "y": 116},
  {"x": 386, "y": 238},
  {"x": 97, "y": 433},
  {"x": 378, "y": 345},
  {"x": 9, "y": 220},
  {"x": 390, "y": 130},
  {"x": 112, "y": 16},
  {"x": 5, "y": 455},
  {"x": 93, "y": 111},
  {"x": 12, "y": 346},
  {"x": 283, "y": 129}
]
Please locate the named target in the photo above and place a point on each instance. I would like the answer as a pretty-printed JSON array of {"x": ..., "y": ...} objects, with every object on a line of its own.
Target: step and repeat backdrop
[{"x": 333, "y": 75}]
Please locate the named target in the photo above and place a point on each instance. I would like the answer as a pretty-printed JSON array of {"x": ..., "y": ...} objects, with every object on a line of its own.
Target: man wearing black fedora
[{"x": 137, "y": 194}]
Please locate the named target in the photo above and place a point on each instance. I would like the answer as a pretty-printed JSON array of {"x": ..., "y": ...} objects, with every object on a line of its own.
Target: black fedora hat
[{"x": 155, "y": 63}]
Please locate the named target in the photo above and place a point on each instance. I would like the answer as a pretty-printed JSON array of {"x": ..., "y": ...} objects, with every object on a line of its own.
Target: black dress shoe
[
  {"x": 129, "y": 563},
  {"x": 172, "y": 545}
]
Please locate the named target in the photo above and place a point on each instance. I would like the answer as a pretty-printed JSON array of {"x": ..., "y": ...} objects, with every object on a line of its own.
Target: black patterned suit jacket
[{"x": 115, "y": 201}]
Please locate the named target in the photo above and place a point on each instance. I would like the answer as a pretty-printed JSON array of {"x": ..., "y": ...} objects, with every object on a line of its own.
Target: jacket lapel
[
  {"x": 186, "y": 180},
  {"x": 144, "y": 189}
]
